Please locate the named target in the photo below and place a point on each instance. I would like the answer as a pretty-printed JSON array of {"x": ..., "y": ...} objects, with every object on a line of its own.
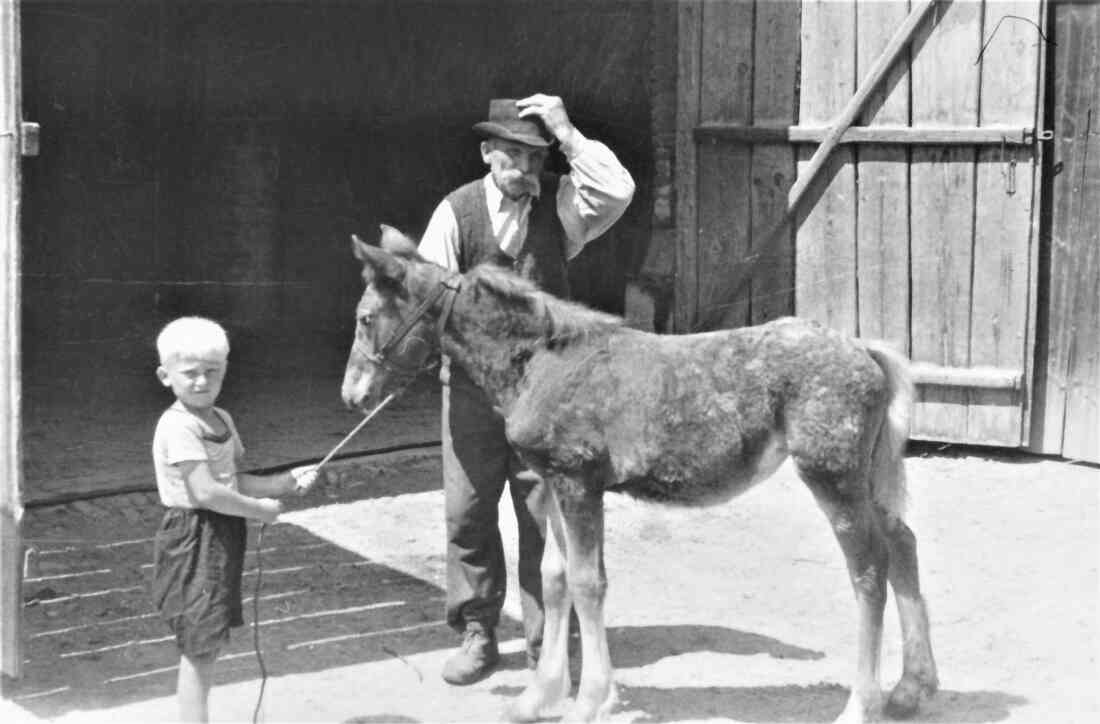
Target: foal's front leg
[
  {"x": 582, "y": 516},
  {"x": 550, "y": 685}
]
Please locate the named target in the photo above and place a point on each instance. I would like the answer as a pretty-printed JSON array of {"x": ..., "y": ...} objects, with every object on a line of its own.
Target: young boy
[{"x": 199, "y": 547}]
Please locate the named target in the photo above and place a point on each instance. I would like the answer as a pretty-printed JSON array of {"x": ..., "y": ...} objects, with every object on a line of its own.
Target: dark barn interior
[{"x": 213, "y": 157}]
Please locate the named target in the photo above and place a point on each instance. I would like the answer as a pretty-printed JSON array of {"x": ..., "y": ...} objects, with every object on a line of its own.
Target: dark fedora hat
[{"x": 504, "y": 122}]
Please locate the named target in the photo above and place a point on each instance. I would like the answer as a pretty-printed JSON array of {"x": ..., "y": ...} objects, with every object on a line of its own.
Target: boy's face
[{"x": 195, "y": 380}]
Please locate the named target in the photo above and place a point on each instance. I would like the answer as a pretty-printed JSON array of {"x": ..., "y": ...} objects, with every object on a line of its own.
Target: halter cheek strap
[
  {"x": 451, "y": 284},
  {"x": 386, "y": 364}
]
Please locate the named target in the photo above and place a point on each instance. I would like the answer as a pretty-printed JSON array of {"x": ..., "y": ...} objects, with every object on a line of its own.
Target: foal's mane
[{"x": 563, "y": 321}]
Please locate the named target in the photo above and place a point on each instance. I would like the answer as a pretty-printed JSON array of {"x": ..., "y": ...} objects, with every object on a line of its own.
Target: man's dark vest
[{"x": 542, "y": 257}]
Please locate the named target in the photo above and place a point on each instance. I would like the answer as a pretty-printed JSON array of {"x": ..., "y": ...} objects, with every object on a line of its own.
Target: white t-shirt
[{"x": 182, "y": 437}]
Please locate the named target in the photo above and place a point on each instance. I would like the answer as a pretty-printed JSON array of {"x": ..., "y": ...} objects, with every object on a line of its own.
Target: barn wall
[{"x": 213, "y": 157}]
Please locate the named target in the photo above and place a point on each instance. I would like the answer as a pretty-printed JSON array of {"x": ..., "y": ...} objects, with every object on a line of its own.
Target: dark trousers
[
  {"x": 198, "y": 561},
  {"x": 477, "y": 461}
]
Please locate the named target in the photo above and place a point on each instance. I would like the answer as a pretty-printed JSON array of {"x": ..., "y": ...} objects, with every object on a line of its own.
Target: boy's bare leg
[{"x": 193, "y": 686}]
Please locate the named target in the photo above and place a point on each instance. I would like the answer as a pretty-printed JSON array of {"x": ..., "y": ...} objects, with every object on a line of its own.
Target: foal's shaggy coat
[{"x": 593, "y": 405}]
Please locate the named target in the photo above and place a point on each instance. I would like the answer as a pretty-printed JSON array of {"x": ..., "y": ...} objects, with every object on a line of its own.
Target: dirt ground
[{"x": 738, "y": 613}]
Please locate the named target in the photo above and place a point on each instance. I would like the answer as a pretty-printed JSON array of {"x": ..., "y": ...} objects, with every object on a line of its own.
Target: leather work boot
[{"x": 475, "y": 658}]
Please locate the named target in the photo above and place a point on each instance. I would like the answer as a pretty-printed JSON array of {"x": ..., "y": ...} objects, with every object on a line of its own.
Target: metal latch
[
  {"x": 1009, "y": 168},
  {"x": 1030, "y": 136}
]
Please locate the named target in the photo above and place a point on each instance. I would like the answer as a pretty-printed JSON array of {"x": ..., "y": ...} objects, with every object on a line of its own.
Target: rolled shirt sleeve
[
  {"x": 439, "y": 242},
  {"x": 591, "y": 198},
  {"x": 594, "y": 194}
]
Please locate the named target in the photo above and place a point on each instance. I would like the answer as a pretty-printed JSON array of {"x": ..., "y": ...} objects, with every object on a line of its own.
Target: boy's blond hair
[{"x": 192, "y": 337}]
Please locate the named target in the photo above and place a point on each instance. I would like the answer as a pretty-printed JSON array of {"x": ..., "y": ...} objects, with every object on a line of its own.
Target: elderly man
[{"x": 533, "y": 222}]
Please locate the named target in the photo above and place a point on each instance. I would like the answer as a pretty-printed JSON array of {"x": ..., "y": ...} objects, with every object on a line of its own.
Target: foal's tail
[{"x": 887, "y": 461}]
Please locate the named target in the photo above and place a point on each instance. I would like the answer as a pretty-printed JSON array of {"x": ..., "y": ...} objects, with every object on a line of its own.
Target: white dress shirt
[{"x": 591, "y": 197}]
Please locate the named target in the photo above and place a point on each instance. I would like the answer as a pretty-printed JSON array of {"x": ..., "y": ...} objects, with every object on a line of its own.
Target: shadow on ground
[
  {"x": 815, "y": 703},
  {"x": 637, "y": 646},
  {"x": 633, "y": 646},
  {"x": 792, "y": 703},
  {"x": 93, "y": 640}
]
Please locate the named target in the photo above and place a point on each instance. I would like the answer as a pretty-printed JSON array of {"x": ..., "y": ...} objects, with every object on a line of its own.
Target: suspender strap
[{"x": 451, "y": 284}]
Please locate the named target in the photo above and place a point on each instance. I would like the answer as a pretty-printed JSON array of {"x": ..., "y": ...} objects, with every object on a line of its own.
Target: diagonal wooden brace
[{"x": 890, "y": 53}]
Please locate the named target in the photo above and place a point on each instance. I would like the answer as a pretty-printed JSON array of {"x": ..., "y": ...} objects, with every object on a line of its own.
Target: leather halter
[{"x": 448, "y": 287}]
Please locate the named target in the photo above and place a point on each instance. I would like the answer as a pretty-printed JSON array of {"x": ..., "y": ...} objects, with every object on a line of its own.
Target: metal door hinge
[{"x": 28, "y": 138}]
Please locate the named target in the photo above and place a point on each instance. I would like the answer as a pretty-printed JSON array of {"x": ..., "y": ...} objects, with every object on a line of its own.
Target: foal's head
[{"x": 394, "y": 339}]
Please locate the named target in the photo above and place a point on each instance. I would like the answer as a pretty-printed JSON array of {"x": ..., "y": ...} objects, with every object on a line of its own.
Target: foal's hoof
[
  {"x": 582, "y": 710},
  {"x": 861, "y": 709},
  {"x": 905, "y": 698},
  {"x": 519, "y": 714},
  {"x": 527, "y": 707},
  {"x": 577, "y": 714},
  {"x": 517, "y": 711}
]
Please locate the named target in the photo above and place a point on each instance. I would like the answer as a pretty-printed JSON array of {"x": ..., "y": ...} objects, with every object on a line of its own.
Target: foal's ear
[
  {"x": 376, "y": 262},
  {"x": 393, "y": 241}
]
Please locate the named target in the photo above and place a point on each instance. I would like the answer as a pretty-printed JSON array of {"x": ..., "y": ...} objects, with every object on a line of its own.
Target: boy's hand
[
  {"x": 305, "y": 477},
  {"x": 269, "y": 509}
]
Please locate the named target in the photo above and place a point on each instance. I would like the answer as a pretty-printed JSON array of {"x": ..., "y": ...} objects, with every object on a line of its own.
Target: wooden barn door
[
  {"x": 972, "y": 230},
  {"x": 920, "y": 227}
]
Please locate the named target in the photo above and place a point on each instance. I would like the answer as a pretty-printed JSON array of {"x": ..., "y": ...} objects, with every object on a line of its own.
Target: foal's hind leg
[
  {"x": 918, "y": 668},
  {"x": 865, "y": 549}
]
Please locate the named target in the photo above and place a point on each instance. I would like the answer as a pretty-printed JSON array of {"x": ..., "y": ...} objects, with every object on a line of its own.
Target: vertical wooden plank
[
  {"x": 825, "y": 263},
  {"x": 724, "y": 168},
  {"x": 882, "y": 245},
  {"x": 1039, "y": 217},
  {"x": 1049, "y": 399},
  {"x": 1067, "y": 419},
  {"x": 11, "y": 463},
  {"x": 1081, "y": 431},
  {"x": 945, "y": 93},
  {"x": 775, "y": 72},
  {"x": 1002, "y": 222},
  {"x": 726, "y": 61},
  {"x": 689, "y": 31}
]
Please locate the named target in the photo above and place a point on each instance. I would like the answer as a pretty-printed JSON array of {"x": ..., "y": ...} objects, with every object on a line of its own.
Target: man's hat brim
[{"x": 527, "y": 135}]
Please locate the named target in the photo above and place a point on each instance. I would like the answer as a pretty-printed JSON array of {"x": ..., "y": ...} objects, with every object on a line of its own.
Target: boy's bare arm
[
  {"x": 212, "y": 495},
  {"x": 265, "y": 486},
  {"x": 298, "y": 480}
]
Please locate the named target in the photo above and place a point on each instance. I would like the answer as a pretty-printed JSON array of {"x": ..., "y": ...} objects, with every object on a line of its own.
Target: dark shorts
[{"x": 198, "y": 560}]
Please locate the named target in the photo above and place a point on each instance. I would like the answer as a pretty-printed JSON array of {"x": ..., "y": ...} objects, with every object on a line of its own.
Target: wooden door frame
[{"x": 11, "y": 463}]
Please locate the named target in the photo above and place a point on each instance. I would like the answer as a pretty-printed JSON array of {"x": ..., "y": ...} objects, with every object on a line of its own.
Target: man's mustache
[{"x": 528, "y": 182}]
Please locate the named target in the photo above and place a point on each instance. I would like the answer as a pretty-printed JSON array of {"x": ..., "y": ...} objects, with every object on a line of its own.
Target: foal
[{"x": 592, "y": 405}]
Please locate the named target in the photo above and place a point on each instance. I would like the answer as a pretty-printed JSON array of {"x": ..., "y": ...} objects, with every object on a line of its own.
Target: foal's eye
[{"x": 365, "y": 320}]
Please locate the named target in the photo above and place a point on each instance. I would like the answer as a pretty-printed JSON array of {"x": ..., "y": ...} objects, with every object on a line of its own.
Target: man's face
[{"x": 515, "y": 166}]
